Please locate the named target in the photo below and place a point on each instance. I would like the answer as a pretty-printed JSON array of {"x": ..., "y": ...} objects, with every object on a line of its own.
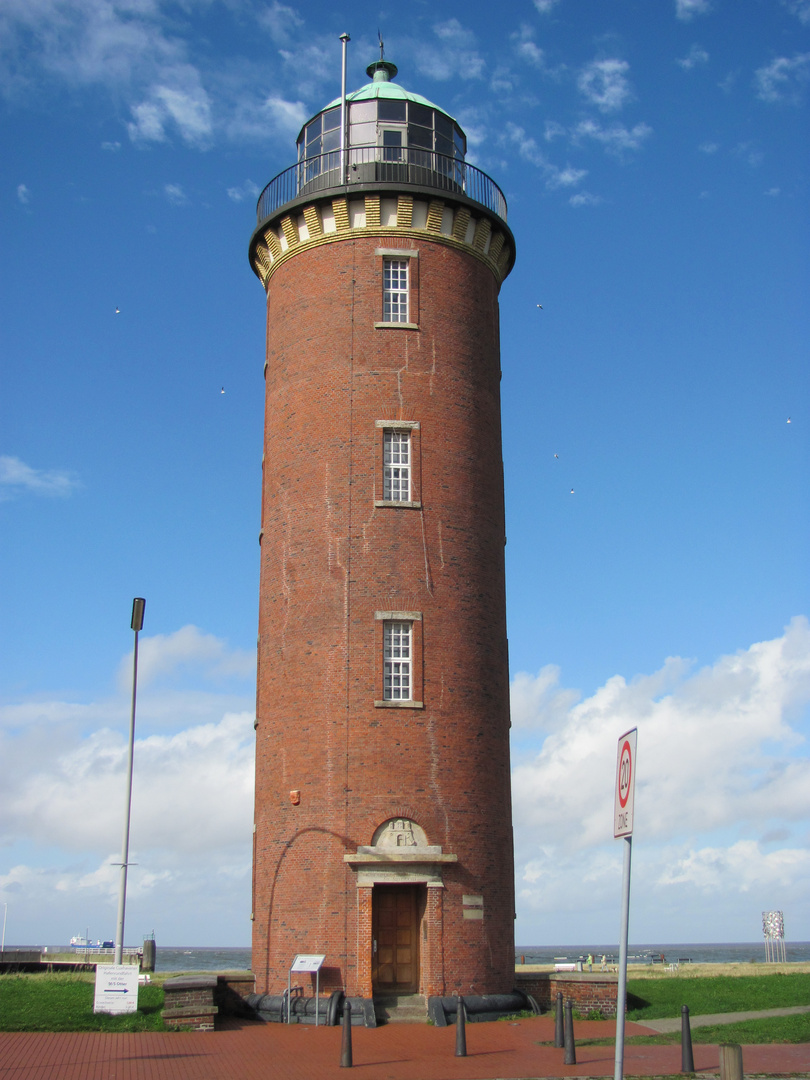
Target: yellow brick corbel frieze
[{"x": 489, "y": 245}]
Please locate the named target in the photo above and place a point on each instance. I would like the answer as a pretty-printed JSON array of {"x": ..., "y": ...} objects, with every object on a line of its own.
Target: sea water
[{"x": 213, "y": 958}]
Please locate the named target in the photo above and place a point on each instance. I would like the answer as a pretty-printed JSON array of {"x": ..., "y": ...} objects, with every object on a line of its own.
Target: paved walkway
[
  {"x": 710, "y": 1019},
  {"x": 255, "y": 1051}
]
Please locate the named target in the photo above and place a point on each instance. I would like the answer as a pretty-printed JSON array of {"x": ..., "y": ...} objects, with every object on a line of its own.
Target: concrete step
[{"x": 400, "y": 1008}]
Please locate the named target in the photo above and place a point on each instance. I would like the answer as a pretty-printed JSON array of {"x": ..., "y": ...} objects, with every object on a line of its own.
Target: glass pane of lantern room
[
  {"x": 391, "y": 110},
  {"x": 420, "y": 114},
  {"x": 444, "y": 126},
  {"x": 363, "y": 134},
  {"x": 361, "y": 112},
  {"x": 331, "y": 140},
  {"x": 419, "y": 136},
  {"x": 392, "y": 145},
  {"x": 331, "y": 119}
]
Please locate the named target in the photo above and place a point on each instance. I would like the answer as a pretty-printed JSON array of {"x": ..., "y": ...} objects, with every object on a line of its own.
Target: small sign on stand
[
  {"x": 623, "y": 801},
  {"x": 305, "y": 962},
  {"x": 116, "y": 989}
]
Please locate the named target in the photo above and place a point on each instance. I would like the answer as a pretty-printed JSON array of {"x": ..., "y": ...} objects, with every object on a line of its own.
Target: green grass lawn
[
  {"x": 776, "y": 1029},
  {"x": 58, "y": 1001},
  {"x": 653, "y": 999},
  {"x": 779, "y": 1029}
]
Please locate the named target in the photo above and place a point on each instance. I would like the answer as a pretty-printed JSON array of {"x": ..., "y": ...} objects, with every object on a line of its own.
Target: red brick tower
[{"x": 383, "y": 831}]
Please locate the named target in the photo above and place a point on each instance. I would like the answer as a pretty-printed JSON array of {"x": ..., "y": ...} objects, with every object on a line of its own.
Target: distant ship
[{"x": 80, "y": 942}]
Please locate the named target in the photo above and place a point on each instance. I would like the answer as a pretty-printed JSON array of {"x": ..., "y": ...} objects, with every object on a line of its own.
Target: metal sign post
[
  {"x": 623, "y": 827},
  {"x": 305, "y": 962},
  {"x": 138, "y": 607}
]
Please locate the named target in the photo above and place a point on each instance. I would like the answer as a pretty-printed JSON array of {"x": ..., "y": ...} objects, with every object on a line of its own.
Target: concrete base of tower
[{"x": 366, "y": 1012}]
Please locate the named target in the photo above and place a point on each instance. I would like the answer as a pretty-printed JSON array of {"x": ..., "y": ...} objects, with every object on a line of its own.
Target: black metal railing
[{"x": 382, "y": 165}]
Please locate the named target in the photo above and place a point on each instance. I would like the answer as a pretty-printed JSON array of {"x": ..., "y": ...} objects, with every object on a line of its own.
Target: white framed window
[
  {"x": 396, "y": 466},
  {"x": 395, "y": 290},
  {"x": 397, "y": 660}
]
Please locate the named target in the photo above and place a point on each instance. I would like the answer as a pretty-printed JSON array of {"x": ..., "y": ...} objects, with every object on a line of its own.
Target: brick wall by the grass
[
  {"x": 189, "y": 1002},
  {"x": 587, "y": 992}
]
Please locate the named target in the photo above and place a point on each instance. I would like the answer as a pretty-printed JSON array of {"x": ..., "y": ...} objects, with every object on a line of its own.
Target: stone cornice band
[{"x": 330, "y": 220}]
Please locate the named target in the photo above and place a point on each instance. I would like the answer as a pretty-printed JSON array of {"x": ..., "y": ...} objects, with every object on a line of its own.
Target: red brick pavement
[{"x": 252, "y": 1051}]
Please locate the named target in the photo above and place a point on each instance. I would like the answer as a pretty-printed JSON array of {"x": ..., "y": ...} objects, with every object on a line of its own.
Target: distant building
[{"x": 383, "y": 831}]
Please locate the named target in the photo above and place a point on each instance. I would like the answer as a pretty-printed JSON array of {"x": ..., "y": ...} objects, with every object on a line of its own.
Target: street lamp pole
[{"x": 138, "y": 606}]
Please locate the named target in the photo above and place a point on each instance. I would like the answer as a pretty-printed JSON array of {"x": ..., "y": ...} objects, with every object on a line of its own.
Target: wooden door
[{"x": 394, "y": 929}]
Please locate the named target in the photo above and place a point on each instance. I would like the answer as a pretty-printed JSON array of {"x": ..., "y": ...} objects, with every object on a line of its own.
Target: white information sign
[
  {"x": 625, "y": 784},
  {"x": 308, "y": 962},
  {"x": 116, "y": 988}
]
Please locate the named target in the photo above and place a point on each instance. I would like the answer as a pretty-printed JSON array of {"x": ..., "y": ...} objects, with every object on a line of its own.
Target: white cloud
[
  {"x": 716, "y": 747},
  {"x": 585, "y": 198},
  {"x": 73, "y": 798},
  {"x": 723, "y": 784},
  {"x": 62, "y": 799},
  {"x": 604, "y": 83},
  {"x": 147, "y": 125},
  {"x": 187, "y": 107},
  {"x": 749, "y": 153},
  {"x": 782, "y": 79},
  {"x": 545, "y": 7},
  {"x": 89, "y": 41},
  {"x": 567, "y": 177},
  {"x": 709, "y": 148},
  {"x": 192, "y": 809},
  {"x": 247, "y": 190},
  {"x": 112, "y": 147},
  {"x": 555, "y": 177},
  {"x": 162, "y": 656},
  {"x": 17, "y": 477},
  {"x": 744, "y": 862},
  {"x": 528, "y": 50},
  {"x": 800, "y": 8},
  {"x": 687, "y": 9},
  {"x": 616, "y": 138},
  {"x": 696, "y": 56},
  {"x": 280, "y": 22},
  {"x": 456, "y": 55},
  {"x": 175, "y": 194},
  {"x": 23, "y": 194},
  {"x": 773, "y": 192},
  {"x": 275, "y": 117}
]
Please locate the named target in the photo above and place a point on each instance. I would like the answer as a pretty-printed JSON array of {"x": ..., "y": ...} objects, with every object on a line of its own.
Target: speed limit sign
[{"x": 625, "y": 784}]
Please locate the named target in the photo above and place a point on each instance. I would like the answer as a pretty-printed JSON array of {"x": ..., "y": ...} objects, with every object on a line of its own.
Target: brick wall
[
  {"x": 587, "y": 991},
  {"x": 189, "y": 1002},
  {"x": 329, "y": 560}
]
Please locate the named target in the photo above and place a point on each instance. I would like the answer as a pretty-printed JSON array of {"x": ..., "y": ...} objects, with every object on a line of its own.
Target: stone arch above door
[
  {"x": 399, "y": 852},
  {"x": 400, "y": 833}
]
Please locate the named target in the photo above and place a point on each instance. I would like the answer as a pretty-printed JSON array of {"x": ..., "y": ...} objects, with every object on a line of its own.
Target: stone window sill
[
  {"x": 399, "y": 705},
  {"x": 394, "y": 504}
]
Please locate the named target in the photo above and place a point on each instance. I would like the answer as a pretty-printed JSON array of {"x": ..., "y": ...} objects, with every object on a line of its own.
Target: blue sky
[{"x": 654, "y": 158}]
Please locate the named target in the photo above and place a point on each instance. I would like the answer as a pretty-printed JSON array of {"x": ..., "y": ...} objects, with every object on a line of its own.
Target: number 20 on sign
[{"x": 625, "y": 784}]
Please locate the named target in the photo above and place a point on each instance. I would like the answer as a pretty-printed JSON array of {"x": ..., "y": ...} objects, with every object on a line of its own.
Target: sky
[{"x": 653, "y": 154}]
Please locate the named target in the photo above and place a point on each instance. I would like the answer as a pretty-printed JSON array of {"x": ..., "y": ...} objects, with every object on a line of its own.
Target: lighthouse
[{"x": 383, "y": 831}]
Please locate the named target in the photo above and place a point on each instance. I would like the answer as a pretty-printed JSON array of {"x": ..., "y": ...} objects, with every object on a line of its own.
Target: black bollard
[
  {"x": 559, "y": 1036},
  {"x": 570, "y": 1052},
  {"x": 687, "y": 1060},
  {"x": 346, "y": 1045},
  {"x": 461, "y": 1032}
]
